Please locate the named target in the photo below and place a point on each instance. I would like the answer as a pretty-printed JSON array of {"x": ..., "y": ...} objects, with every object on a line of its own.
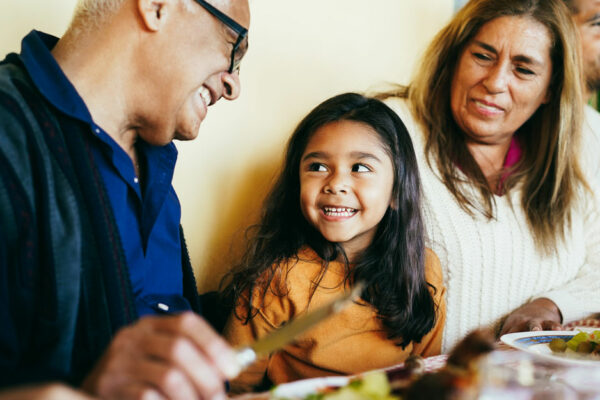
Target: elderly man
[
  {"x": 90, "y": 242},
  {"x": 586, "y": 15}
]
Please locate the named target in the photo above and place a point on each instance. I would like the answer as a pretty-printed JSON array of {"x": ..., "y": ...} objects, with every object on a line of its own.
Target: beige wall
[
  {"x": 301, "y": 53},
  {"x": 18, "y": 17}
]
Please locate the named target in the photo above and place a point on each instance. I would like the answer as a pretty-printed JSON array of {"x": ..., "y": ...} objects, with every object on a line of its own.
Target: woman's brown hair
[{"x": 548, "y": 172}]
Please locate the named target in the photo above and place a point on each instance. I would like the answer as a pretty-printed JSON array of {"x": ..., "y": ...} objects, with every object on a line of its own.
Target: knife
[{"x": 275, "y": 340}]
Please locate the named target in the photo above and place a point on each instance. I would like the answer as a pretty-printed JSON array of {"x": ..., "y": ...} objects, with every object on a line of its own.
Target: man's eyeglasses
[{"x": 241, "y": 43}]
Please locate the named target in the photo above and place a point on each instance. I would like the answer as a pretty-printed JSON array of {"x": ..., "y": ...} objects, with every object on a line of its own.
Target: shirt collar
[
  {"x": 54, "y": 85},
  {"x": 49, "y": 78},
  {"x": 513, "y": 156}
]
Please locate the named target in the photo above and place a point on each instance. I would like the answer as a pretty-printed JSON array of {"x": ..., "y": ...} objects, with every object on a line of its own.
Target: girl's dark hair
[{"x": 392, "y": 266}]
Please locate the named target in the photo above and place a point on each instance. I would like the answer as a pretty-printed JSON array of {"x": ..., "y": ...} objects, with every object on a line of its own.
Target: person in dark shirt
[{"x": 91, "y": 247}]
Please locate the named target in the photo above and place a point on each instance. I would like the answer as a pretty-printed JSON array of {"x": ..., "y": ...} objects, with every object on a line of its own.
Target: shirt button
[
  {"x": 97, "y": 130},
  {"x": 136, "y": 180}
]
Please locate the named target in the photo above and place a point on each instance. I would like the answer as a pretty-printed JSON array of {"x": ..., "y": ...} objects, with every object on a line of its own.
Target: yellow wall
[{"x": 301, "y": 53}]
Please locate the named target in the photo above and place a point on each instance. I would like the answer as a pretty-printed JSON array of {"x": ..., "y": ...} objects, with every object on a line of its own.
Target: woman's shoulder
[
  {"x": 590, "y": 146},
  {"x": 402, "y": 107}
]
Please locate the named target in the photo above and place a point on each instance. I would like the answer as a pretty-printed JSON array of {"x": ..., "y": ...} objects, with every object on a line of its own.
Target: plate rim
[
  {"x": 314, "y": 384},
  {"x": 510, "y": 340}
]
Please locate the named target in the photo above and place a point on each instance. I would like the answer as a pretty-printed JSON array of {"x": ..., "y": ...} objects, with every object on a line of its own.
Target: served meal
[
  {"x": 370, "y": 386},
  {"x": 468, "y": 369},
  {"x": 582, "y": 345},
  {"x": 457, "y": 379}
]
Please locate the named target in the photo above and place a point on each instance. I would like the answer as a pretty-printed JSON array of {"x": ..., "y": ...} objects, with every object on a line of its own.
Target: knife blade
[{"x": 275, "y": 340}]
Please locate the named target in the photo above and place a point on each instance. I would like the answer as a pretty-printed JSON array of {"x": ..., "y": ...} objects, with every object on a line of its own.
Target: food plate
[
  {"x": 536, "y": 343},
  {"x": 301, "y": 389}
]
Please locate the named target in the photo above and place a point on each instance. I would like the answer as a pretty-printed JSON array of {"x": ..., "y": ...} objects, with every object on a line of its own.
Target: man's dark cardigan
[{"x": 64, "y": 283}]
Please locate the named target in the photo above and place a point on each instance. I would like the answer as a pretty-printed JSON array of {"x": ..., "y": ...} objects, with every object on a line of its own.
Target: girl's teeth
[{"x": 339, "y": 211}]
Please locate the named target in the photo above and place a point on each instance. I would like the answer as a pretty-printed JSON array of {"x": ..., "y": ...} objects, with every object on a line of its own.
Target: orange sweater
[{"x": 349, "y": 342}]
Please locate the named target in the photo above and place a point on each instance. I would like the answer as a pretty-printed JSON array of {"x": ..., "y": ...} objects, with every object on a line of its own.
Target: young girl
[{"x": 345, "y": 208}]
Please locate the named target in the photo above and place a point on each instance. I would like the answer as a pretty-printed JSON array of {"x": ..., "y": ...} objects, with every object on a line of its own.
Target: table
[{"x": 506, "y": 373}]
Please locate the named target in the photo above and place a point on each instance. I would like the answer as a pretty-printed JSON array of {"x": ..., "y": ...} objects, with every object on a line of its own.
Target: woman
[{"x": 495, "y": 114}]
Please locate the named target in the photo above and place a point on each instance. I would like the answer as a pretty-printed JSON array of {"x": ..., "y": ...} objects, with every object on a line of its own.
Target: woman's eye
[
  {"x": 316, "y": 167},
  {"x": 481, "y": 56},
  {"x": 360, "y": 168},
  {"x": 525, "y": 71}
]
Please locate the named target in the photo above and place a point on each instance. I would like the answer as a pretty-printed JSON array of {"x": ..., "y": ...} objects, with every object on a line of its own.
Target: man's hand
[
  {"x": 537, "y": 315},
  {"x": 167, "y": 357},
  {"x": 49, "y": 391}
]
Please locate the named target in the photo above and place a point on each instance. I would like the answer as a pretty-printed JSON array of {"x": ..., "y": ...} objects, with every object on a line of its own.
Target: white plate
[
  {"x": 302, "y": 388},
  {"x": 536, "y": 343}
]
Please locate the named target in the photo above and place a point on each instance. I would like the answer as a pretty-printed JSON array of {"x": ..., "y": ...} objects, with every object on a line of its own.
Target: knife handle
[{"x": 245, "y": 356}]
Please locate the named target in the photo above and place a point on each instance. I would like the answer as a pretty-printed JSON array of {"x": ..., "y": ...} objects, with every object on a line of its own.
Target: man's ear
[{"x": 153, "y": 13}]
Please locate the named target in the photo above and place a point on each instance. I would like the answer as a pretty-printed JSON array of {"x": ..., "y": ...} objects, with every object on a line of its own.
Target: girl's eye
[
  {"x": 360, "y": 168},
  {"x": 317, "y": 167}
]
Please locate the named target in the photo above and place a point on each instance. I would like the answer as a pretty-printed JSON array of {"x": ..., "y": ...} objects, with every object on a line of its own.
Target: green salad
[
  {"x": 581, "y": 344},
  {"x": 369, "y": 386}
]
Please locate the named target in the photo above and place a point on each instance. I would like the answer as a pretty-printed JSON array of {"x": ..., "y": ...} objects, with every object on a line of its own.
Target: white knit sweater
[{"x": 491, "y": 267}]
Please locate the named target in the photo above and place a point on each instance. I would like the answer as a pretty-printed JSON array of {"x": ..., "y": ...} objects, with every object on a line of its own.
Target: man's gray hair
[
  {"x": 95, "y": 11},
  {"x": 91, "y": 13}
]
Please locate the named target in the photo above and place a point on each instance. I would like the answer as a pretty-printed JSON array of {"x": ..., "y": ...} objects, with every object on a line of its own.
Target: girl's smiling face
[{"x": 346, "y": 183}]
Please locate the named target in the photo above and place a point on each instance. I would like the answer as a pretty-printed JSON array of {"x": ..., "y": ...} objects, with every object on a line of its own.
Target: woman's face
[{"x": 502, "y": 77}]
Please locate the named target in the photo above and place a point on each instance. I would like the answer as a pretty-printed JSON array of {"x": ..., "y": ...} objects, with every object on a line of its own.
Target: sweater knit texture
[
  {"x": 491, "y": 267},
  {"x": 352, "y": 341}
]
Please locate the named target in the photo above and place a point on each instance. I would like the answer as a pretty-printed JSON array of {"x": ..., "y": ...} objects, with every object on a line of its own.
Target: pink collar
[
  {"x": 513, "y": 156},
  {"x": 514, "y": 153}
]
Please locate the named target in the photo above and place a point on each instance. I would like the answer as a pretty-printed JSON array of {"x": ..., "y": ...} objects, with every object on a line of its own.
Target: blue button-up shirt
[{"x": 147, "y": 211}]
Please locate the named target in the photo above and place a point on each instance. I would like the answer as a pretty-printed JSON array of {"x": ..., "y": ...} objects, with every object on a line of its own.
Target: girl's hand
[{"x": 537, "y": 315}]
